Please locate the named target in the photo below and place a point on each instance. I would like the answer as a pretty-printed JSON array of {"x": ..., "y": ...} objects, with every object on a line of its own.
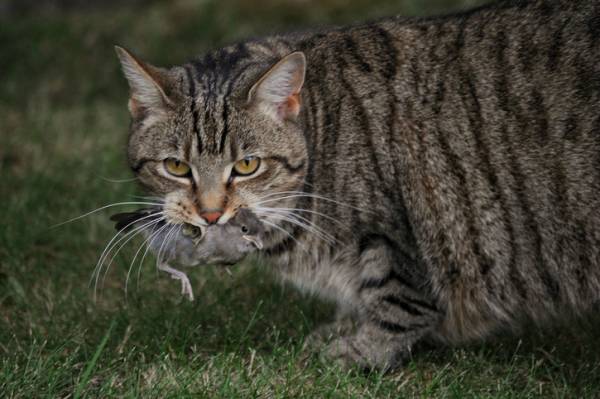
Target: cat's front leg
[
  {"x": 343, "y": 324},
  {"x": 393, "y": 315}
]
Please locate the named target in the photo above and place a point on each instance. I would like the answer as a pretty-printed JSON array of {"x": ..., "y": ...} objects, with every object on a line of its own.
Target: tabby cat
[{"x": 438, "y": 178}]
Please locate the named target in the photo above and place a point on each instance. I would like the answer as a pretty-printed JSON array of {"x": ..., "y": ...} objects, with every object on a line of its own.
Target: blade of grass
[{"x": 90, "y": 366}]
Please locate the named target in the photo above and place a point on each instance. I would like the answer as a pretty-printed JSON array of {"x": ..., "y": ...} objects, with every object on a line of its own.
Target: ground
[{"x": 63, "y": 124}]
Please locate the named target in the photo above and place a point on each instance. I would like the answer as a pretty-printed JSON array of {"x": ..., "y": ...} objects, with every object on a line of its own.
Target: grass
[{"x": 63, "y": 124}]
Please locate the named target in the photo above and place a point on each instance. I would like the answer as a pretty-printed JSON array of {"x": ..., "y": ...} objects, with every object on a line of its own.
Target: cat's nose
[{"x": 212, "y": 216}]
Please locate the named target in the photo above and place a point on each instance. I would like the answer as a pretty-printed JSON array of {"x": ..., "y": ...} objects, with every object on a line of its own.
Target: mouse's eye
[
  {"x": 246, "y": 166},
  {"x": 191, "y": 231},
  {"x": 245, "y": 229},
  {"x": 177, "y": 168}
]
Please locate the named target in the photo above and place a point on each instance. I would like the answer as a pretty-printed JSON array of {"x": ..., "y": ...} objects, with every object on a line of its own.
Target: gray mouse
[{"x": 190, "y": 245}]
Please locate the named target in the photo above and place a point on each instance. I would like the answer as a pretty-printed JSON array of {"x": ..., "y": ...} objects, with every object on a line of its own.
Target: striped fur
[{"x": 459, "y": 155}]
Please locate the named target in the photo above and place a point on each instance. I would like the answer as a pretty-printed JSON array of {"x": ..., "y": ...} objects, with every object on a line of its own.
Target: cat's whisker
[
  {"x": 288, "y": 192},
  {"x": 108, "y": 248},
  {"x": 320, "y": 214},
  {"x": 146, "y": 241},
  {"x": 303, "y": 181},
  {"x": 291, "y": 212},
  {"x": 106, "y": 265},
  {"x": 313, "y": 196},
  {"x": 308, "y": 224},
  {"x": 280, "y": 193},
  {"x": 141, "y": 264},
  {"x": 111, "y": 245},
  {"x": 173, "y": 236},
  {"x": 308, "y": 211},
  {"x": 283, "y": 231},
  {"x": 309, "y": 228},
  {"x": 150, "y": 236},
  {"x": 299, "y": 194},
  {"x": 150, "y": 198},
  {"x": 132, "y": 235},
  {"x": 102, "y": 208},
  {"x": 162, "y": 246}
]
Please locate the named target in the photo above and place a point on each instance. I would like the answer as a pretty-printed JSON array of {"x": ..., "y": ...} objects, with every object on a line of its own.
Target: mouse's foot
[{"x": 186, "y": 286}]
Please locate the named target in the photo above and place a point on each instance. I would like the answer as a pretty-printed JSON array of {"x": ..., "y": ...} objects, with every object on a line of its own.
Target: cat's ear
[
  {"x": 147, "y": 84},
  {"x": 277, "y": 92}
]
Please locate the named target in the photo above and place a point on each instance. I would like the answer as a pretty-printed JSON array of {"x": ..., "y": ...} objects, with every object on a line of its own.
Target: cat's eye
[
  {"x": 176, "y": 167},
  {"x": 246, "y": 166}
]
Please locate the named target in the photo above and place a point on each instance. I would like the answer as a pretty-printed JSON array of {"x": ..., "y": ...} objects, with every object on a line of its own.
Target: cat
[
  {"x": 189, "y": 245},
  {"x": 437, "y": 178}
]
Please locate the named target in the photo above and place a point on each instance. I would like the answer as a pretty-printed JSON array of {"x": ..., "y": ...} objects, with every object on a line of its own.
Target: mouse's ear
[
  {"x": 126, "y": 220},
  {"x": 123, "y": 220}
]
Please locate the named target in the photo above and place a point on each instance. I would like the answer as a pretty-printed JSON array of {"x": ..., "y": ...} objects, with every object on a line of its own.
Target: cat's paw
[
  {"x": 357, "y": 352},
  {"x": 325, "y": 333},
  {"x": 344, "y": 352}
]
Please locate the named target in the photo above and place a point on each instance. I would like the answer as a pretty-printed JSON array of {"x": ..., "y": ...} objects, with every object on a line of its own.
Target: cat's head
[{"x": 218, "y": 134}]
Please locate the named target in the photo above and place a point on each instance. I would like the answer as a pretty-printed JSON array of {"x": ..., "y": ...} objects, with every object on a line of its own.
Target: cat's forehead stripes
[
  {"x": 213, "y": 80},
  {"x": 205, "y": 102},
  {"x": 193, "y": 108}
]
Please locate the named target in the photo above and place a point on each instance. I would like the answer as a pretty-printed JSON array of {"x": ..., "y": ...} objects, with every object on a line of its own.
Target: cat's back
[{"x": 499, "y": 136}]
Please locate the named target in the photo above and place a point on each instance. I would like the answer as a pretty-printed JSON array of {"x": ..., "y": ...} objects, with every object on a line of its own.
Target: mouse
[{"x": 190, "y": 245}]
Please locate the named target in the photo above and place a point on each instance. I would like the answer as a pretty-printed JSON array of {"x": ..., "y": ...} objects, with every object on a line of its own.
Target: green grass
[{"x": 63, "y": 125}]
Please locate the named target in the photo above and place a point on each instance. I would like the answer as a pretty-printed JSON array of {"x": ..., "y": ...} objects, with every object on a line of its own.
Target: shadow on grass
[
  {"x": 230, "y": 314},
  {"x": 560, "y": 359}
]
